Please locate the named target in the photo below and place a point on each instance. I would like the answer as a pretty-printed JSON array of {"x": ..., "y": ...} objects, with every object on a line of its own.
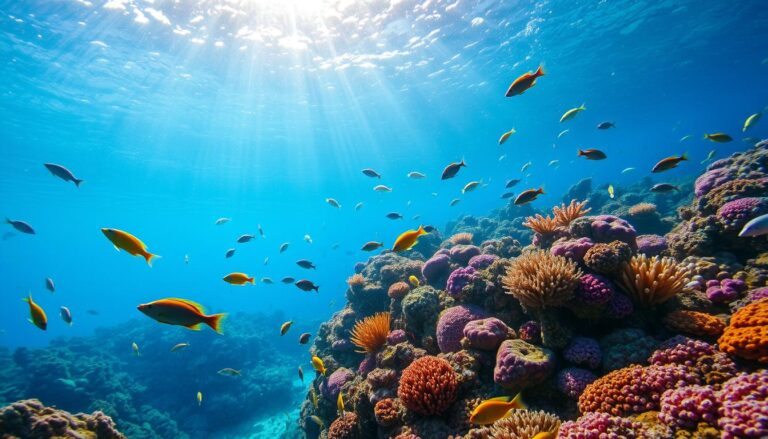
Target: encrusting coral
[
  {"x": 539, "y": 280},
  {"x": 747, "y": 334},
  {"x": 30, "y": 419},
  {"x": 370, "y": 334},
  {"x": 651, "y": 281}
]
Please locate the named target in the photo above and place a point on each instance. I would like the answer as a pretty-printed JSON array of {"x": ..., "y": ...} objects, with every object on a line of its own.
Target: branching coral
[
  {"x": 650, "y": 281},
  {"x": 370, "y": 334},
  {"x": 565, "y": 214},
  {"x": 428, "y": 386},
  {"x": 694, "y": 323},
  {"x": 747, "y": 334},
  {"x": 461, "y": 238},
  {"x": 524, "y": 424},
  {"x": 539, "y": 279},
  {"x": 543, "y": 225}
]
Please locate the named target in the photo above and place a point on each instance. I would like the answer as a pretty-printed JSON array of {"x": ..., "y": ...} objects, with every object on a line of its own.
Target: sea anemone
[
  {"x": 524, "y": 424},
  {"x": 565, "y": 214},
  {"x": 461, "y": 238},
  {"x": 543, "y": 225},
  {"x": 356, "y": 280},
  {"x": 650, "y": 281},
  {"x": 370, "y": 334},
  {"x": 539, "y": 279}
]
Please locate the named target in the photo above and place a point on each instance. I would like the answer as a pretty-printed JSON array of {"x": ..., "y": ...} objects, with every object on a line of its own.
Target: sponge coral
[
  {"x": 370, "y": 334},
  {"x": 428, "y": 386},
  {"x": 344, "y": 427},
  {"x": 539, "y": 279},
  {"x": 694, "y": 323},
  {"x": 747, "y": 335},
  {"x": 525, "y": 424},
  {"x": 31, "y": 419},
  {"x": 650, "y": 281}
]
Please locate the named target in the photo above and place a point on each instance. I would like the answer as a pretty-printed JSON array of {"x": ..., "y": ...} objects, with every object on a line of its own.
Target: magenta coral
[
  {"x": 744, "y": 411},
  {"x": 461, "y": 254},
  {"x": 487, "y": 334},
  {"x": 651, "y": 245},
  {"x": 458, "y": 279},
  {"x": 600, "y": 426},
  {"x": 396, "y": 336},
  {"x": 605, "y": 229},
  {"x": 593, "y": 289},
  {"x": 710, "y": 180},
  {"x": 734, "y": 214},
  {"x": 450, "y": 326},
  {"x": 573, "y": 249},
  {"x": 686, "y": 407},
  {"x": 584, "y": 351},
  {"x": 572, "y": 381},
  {"x": 330, "y": 388},
  {"x": 428, "y": 386},
  {"x": 520, "y": 364},
  {"x": 481, "y": 262},
  {"x": 726, "y": 290},
  {"x": 436, "y": 268}
]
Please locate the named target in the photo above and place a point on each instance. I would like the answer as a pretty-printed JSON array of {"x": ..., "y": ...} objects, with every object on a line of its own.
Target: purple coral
[
  {"x": 520, "y": 364},
  {"x": 450, "y": 326},
  {"x": 593, "y": 289},
  {"x": 367, "y": 365},
  {"x": 330, "y": 388},
  {"x": 573, "y": 380},
  {"x": 743, "y": 408},
  {"x": 461, "y": 254},
  {"x": 436, "y": 268},
  {"x": 481, "y": 262},
  {"x": 396, "y": 336},
  {"x": 530, "y": 331},
  {"x": 680, "y": 350},
  {"x": 487, "y": 334},
  {"x": 620, "y": 306},
  {"x": 458, "y": 279},
  {"x": 726, "y": 290},
  {"x": 605, "y": 229},
  {"x": 600, "y": 425},
  {"x": 734, "y": 214},
  {"x": 584, "y": 351},
  {"x": 573, "y": 249},
  {"x": 651, "y": 245},
  {"x": 686, "y": 407},
  {"x": 710, "y": 180},
  {"x": 757, "y": 294}
]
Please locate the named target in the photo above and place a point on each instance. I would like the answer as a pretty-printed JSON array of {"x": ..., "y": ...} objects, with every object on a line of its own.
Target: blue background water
[{"x": 179, "y": 114}]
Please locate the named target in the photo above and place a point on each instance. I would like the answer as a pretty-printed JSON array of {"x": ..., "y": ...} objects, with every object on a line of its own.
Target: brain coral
[
  {"x": 450, "y": 326},
  {"x": 539, "y": 279},
  {"x": 428, "y": 386},
  {"x": 744, "y": 412},
  {"x": 520, "y": 364},
  {"x": 694, "y": 323},
  {"x": 458, "y": 279},
  {"x": 487, "y": 334},
  {"x": 747, "y": 334}
]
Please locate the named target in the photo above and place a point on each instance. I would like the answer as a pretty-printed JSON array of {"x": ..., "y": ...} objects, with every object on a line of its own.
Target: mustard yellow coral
[
  {"x": 538, "y": 279},
  {"x": 650, "y": 281}
]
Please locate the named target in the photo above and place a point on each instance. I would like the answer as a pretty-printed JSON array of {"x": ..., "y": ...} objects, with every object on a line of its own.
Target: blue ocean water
[{"x": 176, "y": 113}]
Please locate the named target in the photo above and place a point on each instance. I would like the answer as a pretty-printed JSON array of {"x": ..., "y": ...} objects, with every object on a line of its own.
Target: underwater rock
[
  {"x": 579, "y": 191},
  {"x": 30, "y": 419}
]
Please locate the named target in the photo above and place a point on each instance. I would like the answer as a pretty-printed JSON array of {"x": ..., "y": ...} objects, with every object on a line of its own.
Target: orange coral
[
  {"x": 387, "y": 412},
  {"x": 398, "y": 290},
  {"x": 543, "y": 225},
  {"x": 356, "y": 280},
  {"x": 694, "y": 323},
  {"x": 461, "y": 238},
  {"x": 747, "y": 335},
  {"x": 650, "y": 281},
  {"x": 428, "y": 386},
  {"x": 640, "y": 209},
  {"x": 344, "y": 427},
  {"x": 565, "y": 214},
  {"x": 370, "y": 334},
  {"x": 539, "y": 279}
]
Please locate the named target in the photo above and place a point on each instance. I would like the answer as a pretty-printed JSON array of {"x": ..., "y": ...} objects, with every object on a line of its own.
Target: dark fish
[
  {"x": 371, "y": 246},
  {"x": 669, "y": 163},
  {"x": 304, "y": 338},
  {"x": 21, "y": 226},
  {"x": 307, "y": 285},
  {"x": 527, "y": 196},
  {"x": 451, "y": 170},
  {"x": 63, "y": 173},
  {"x": 49, "y": 284},
  {"x": 507, "y": 195},
  {"x": 230, "y": 253},
  {"x": 92, "y": 312},
  {"x": 288, "y": 280},
  {"x": 245, "y": 238},
  {"x": 592, "y": 154},
  {"x": 304, "y": 263},
  {"x": 512, "y": 183},
  {"x": 66, "y": 315},
  {"x": 394, "y": 215},
  {"x": 605, "y": 125},
  {"x": 524, "y": 82},
  {"x": 664, "y": 187},
  {"x": 371, "y": 173},
  {"x": 454, "y": 202},
  {"x": 429, "y": 229},
  {"x": 261, "y": 231},
  {"x": 301, "y": 374},
  {"x": 284, "y": 246}
]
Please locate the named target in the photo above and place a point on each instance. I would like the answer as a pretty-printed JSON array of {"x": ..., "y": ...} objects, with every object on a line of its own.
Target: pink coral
[
  {"x": 744, "y": 412},
  {"x": 450, "y": 326},
  {"x": 599, "y": 426},
  {"x": 686, "y": 407}
]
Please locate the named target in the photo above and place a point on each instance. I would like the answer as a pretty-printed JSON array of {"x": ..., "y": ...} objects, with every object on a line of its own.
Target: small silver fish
[
  {"x": 471, "y": 186},
  {"x": 371, "y": 173},
  {"x": 382, "y": 188},
  {"x": 308, "y": 239},
  {"x": 333, "y": 202},
  {"x": 710, "y": 156},
  {"x": 416, "y": 175},
  {"x": 686, "y": 137},
  {"x": 266, "y": 260},
  {"x": 627, "y": 170},
  {"x": 66, "y": 315},
  {"x": 554, "y": 163},
  {"x": 63, "y": 173},
  {"x": 261, "y": 231},
  {"x": 245, "y": 238},
  {"x": 221, "y": 221},
  {"x": 454, "y": 202},
  {"x": 755, "y": 227},
  {"x": 49, "y": 285},
  {"x": 526, "y": 166},
  {"x": 562, "y": 133},
  {"x": 284, "y": 246},
  {"x": 179, "y": 346},
  {"x": 358, "y": 206},
  {"x": 230, "y": 253}
]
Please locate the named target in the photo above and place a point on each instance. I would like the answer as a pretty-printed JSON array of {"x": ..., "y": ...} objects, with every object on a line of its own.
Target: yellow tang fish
[
  {"x": 199, "y": 399},
  {"x": 181, "y": 312},
  {"x": 36, "y": 314},
  {"x": 135, "y": 349},
  {"x": 239, "y": 279},
  {"x": 318, "y": 365},
  {"x": 751, "y": 120},
  {"x": 570, "y": 114},
  {"x": 408, "y": 239},
  {"x": 611, "y": 192},
  {"x": 491, "y": 410},
  {"x": 285, "y": 327},
  {"x": 340, "y": 403},
  {"x": 125, "y": 241},
  {"x": 414, "y": 280}
]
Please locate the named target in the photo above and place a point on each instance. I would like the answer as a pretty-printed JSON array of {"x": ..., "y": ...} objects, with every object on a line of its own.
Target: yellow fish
[
  {"x": 611, "y": 192},
  {"x": 751, "y": 120},
  {"x": 199, "y": 399},
  {"x": 545, "y": 435},
  {"x": 318, "y": 365},
  {"x": 570, "y": 114},
  {"x": 491, "y": 410},
  {"x": 317, "y": 421},
  {"x": 340, "y": 403},
  {"x": 285, "y": 327},
  {"x": 506, "y": 135},
  {"x": 718, "y": 137},
  {"x": 239, "y": 279},
  {"x": 313, "y": 395},
  {"x": 408, "y": 239},
  {"x": 125, "y": 241},
  {"x": 414, "y": 280},
  {"x": 136, "y": 349},
  {"x": 36, "y": 314}
]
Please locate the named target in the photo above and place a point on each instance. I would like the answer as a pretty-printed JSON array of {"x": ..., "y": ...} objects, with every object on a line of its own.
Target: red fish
[{"x": 524, "y": 82}]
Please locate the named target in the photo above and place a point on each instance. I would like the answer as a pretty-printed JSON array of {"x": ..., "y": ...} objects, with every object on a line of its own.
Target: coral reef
[
  {"x": 30, "y": 419},
  {"x": 520, "y": 364},
  {"x": 747, "y": 334},
  {"x": 651, "y": 281},
  {"x": 539, "y": 279},
  {"x": 428, "y": 386},
  {"x": 370, "y": 334}
]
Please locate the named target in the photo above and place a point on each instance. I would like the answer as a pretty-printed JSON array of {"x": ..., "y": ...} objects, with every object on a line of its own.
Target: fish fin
[
  {"x": 214, "y": 322},
  {"x": 706, "y": 136},
  {"x": 195, "y": 305},
  {"x": 518, "y": 403},
  {"x": 540, "y": 71},
  {"x": 116, "y": 247},
  {"x": 684, "y": 156},
  {"x": 77, "y": 182},
  {"x": 500, "y": 398},
  {"x": 583, "y": 106},
  {"x": 149, "y": 257},
  {"x": 580, "y": 153},
  {"x": 541, "y": 190},
  {"x": 252, "y": 280},
  {"x": 194, "y": 327}
]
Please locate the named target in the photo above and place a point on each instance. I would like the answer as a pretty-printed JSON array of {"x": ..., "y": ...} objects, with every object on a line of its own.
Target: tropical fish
[
  {"x": 408, "y": 239},
  {"x": 545, "y": 435},
  {"x": 669, "y": 163},
  {"x": 686, "y": 137},
  {"x": 371, "y": 173},
  {"x": 36, "y": 314},
  {"x": 570, "y": 114},
  {"x": 63, "y": 173},
  {"x": 371, "y": 246},
  {"x": 562, "y": 133},
  {"x": 506, "y": 195},
  {"x": 755, "y": 227},
  {"x": 526, "y": 166},
  {"x": 491, "y": 410},
  {"x": 506, "y": 135},
  {"x": 131, "y": 244},
  {"x": 394, "y": 215},
  {"x": 239, "y": 279},
  {"x": 284, "y": 246},
  {"x": 49, "y": 285},
  {"x": 199, "y": 399},
  {"x": 554, "y": 163},
  {"x": 308, "y": 239},
  {"x": 340, "y": 403},
  {"x": 66, "y": 315},
  {"x": 21, "y": 226},
  {"x": 605, "y": 125},
  {"x": 317, "y": 421},
  {"x": 751, "y": 120},
  {"x": 524, "y": 82},
  {"x": 333, "y": 202},
  {"x": 318, "y": 365},
  {"x": 718, "y": 137},
  {"x": 301, "y": 374},
  {"x": 245, "y": 238},
  {"x": 664, "y": 187},
  {"x": 627, "y": 170},
  {"x": 451, "y": 170},
  {"x": 416, "y": 175},
  {"x": 304, "y": 338},
  {"x": 502, "y": 157},
  {"x": 592, "y": 154},
  {"x": 287, "y": 280},
  {"x": 221, "y": 221},
  {"x": 186, "y": 259},
  {"x": 285, "y": 327},
  {"x": 454, "y": 202},
  {"x": 414, "y": 280},
  {"x": 382, "y": 188},
  {"x": 229, "y": 253},
  {"x": 135, "y": 348},
  {"x": 528, "y": 196},
  {"x": 266, "y": 260},
  {"x": 267, "y": 280},
  {"x": 305, "y": 263},
  {"x": 179, "y": 346},
  {"x": 710, "y": 156},
  {"x": 611, "y": 192},
  {"x": 512, "y": 183},
  {"x": 228, "y": 371},
  {"x": 469, "y": 187},
  {"x": 358, "y": 206},
  {"x": 181, "y": 312},
  {"x": 307, "y": 285}
]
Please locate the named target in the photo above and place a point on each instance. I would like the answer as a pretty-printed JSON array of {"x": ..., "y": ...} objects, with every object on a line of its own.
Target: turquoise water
[{"x": 179, "y": 113}]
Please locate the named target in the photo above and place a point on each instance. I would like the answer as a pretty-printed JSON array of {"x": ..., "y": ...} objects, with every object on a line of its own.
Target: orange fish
[
  {"x": 239, "y": 279},
  {"x": 408, "y": 239},
  {"x": 669, "y": 163},
  {"x": 181, "y": 312},
  {"x": 524, "y": 82},
  {"x": 125, "y": 241},
  {"x": 36, "y": 314},
  {"x": 491, "y": 410},
  {"x": 545, "y": 435}
]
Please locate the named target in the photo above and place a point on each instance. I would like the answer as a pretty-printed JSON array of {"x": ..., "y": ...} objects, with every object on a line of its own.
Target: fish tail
[
  {"x": 684, "y": 156},
  {"x": 580, "y": 153},
  {"x": 77, "y": 182},
  {"x": 252, "y": 280},
  {"x": 583, "y": 106},
  {"x": 518, "y": 402},
  {"x": 214, "y": 322},
  {"x": 149, "y": 257},
  {"x": 541, "y": 190},
  {"x": 317, "y": 289},
  {"x": 540, "y": 71}
]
